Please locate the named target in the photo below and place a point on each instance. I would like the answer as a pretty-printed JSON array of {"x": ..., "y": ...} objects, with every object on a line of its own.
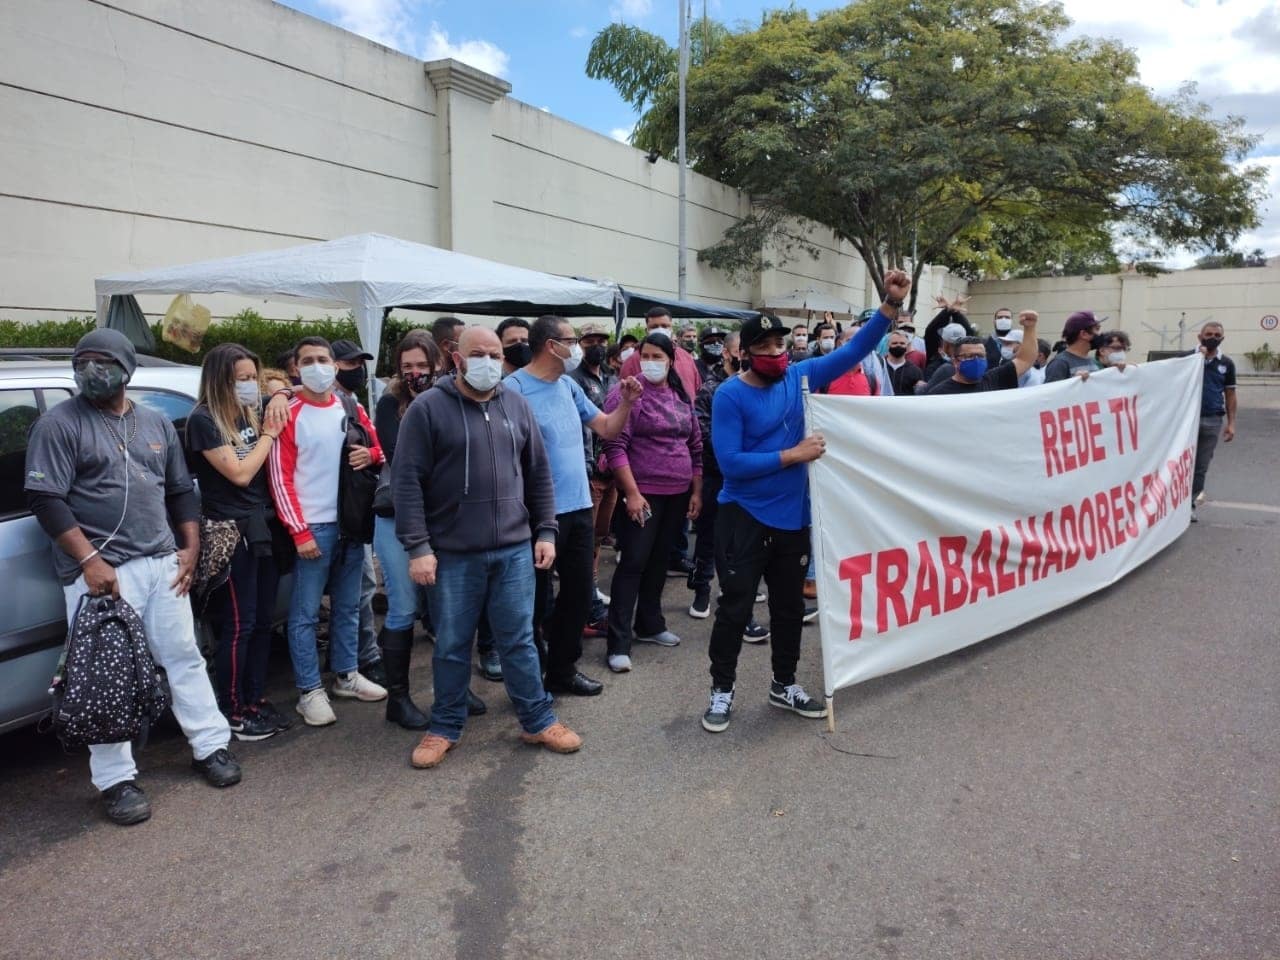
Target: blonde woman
[{"x": 227, "y": 445}]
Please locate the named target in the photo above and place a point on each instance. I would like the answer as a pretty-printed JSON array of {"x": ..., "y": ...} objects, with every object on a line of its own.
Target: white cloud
[
  {"x": 1267, "y": 236},
  {"x": 630, "y": 9},
  {"x": 391, "y": 23},
  {"x": 1229, "y": 48},
  {"x": 387, "y": 22},
  {"x": 480, "y": 54},
  {"x": 578, "y": 32},
  {"x": 622, "y": 134}
]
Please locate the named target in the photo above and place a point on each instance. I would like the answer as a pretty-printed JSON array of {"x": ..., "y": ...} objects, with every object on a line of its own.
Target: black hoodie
[{"x": 470, "y": 476}]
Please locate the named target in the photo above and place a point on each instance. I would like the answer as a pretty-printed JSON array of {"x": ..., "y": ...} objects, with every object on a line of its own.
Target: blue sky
[{"x": 1231, "y": 48}]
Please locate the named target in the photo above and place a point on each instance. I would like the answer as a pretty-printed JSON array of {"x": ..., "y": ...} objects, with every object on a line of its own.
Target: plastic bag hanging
[{"x": 185, "y": 323}]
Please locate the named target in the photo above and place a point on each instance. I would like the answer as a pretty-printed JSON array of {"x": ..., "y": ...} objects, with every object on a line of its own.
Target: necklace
[{"x": 122, "y": 443}]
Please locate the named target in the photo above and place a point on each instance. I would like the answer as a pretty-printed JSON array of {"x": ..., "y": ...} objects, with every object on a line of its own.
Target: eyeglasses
[{"x": 567, "y": 341}]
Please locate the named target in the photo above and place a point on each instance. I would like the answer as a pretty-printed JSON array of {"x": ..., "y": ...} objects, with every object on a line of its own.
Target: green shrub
[
  {"x": 266, "y": 338},
  {"x": 47, "y": 333}
]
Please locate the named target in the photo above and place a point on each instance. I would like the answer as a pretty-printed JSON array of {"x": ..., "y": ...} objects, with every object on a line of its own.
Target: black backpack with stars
[{"x": 108, "y": 688}]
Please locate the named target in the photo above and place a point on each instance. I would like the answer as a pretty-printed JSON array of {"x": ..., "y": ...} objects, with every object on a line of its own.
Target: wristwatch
[{"x": 895, "y": 302}]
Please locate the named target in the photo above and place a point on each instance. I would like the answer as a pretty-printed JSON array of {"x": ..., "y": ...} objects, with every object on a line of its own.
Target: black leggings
[
  {"x": 636, "y": 594},
  {"x": 241, "y": 614}
]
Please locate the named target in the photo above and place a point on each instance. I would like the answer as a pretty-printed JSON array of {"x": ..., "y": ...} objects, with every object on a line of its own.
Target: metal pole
[{"x": 682, "y": 251}]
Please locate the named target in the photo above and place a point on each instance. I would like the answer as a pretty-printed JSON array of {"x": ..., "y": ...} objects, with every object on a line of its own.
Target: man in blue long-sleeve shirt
[{"x": 762, "y": 528}]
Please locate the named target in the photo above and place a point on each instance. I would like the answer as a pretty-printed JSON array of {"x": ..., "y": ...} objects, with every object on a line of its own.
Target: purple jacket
[{"x": 661, "y": 442}]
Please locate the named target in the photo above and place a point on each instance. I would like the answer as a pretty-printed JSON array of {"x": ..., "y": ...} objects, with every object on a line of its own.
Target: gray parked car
[{"x": 32, "y": 612}]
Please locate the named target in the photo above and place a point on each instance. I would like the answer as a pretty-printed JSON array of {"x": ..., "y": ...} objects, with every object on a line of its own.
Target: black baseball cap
[
  {"x": 348, "y": 350},
  {"x": 757, "y": 328},
  {"x": 709, "y": 332}
]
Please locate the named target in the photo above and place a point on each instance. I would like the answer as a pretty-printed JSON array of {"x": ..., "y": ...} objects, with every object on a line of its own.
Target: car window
[
  {"x": 18, "y": 411},
  {"x": 173, "y": 405}
]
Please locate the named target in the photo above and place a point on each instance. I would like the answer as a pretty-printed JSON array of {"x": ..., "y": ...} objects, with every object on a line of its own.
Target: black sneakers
[
  {"x": 268, "y": 712},
  {"x": 219, "y": 768},
  {"x": 755, "y": 632},
  {"x": 252, "y": 727},
  {"x": 716, "y": 719},
  {"x": 700, "y": 609},
  {"x": 792, "y": 697},
  {"x": 126, "y": 804}
]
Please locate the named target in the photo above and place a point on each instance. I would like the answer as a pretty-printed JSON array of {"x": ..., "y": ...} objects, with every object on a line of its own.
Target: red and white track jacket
[{"x": 304, "y": 464}]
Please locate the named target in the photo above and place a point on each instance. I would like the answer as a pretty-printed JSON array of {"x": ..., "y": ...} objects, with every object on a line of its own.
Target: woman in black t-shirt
[{"x": 228, "y": 445}]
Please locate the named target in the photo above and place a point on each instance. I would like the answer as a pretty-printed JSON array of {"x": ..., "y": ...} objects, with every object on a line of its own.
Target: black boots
[{"x": 401, "y": 709}]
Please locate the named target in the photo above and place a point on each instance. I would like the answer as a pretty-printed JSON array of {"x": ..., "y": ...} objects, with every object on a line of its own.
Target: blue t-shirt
[
  {"x": 751, "y": 426},
  {"x": 1219, "y": 377},
  {"x": 561, "y": 409}
]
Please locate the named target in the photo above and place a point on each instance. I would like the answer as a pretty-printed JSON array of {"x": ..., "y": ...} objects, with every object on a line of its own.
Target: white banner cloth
[{"x": 941, "y": 521}]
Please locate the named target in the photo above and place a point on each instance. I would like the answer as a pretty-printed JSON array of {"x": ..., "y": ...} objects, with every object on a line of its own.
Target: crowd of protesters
[{"x": 497, "y": 466}]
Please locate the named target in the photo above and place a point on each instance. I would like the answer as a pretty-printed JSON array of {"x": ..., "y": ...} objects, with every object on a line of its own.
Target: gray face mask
[
  {"x": 247, "y": 392},
  {"x": 99, "y": 380},
  {"x": 482, "y": 373}
]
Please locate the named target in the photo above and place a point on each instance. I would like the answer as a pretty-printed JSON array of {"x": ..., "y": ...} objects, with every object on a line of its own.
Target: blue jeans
[
  {"x": 402, "y": 592},
  {"x": 499, "y": 582},
  {"x": 339, "y": 563}
]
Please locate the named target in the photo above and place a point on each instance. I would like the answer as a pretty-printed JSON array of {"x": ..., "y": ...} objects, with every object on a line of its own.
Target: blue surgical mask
[{"x": 973, "y": 368}]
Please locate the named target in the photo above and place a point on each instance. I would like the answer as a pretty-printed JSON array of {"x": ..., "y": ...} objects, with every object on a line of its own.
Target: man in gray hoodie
[{"x": 472, "y": 485}]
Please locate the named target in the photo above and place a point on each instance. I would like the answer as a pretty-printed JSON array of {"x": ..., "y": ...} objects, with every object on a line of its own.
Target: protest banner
[{"x": 941, "y": 521}]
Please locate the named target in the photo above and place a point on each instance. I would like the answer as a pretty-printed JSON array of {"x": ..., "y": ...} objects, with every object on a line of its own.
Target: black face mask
[
  {"x": 1212, "y": 343},
  {"x": 1097, "y": 341},
  {"x": 417, "y": 381},
  {"x": 735, "y": 364},
  {"x": 594, "y": 356},
  {"x": 897, "y": 351},
  {"x": 518, "y": 354},
  {"x": 353, "y": 381}
]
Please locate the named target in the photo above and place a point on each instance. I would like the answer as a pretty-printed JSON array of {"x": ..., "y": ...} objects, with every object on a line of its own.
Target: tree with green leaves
[{"x": 967, "y": 131}]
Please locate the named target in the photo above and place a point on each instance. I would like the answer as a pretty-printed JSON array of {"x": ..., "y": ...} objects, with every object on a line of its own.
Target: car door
[{"x": 33, "y": 626}]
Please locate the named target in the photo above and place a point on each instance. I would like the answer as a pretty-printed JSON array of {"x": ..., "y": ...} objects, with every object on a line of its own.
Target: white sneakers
[
  {"x": 315, "y": 709},
  {"x": 619, "y": 662},
  {"x": 314, "y": 704},
  {"x": 355, "y": 686}
]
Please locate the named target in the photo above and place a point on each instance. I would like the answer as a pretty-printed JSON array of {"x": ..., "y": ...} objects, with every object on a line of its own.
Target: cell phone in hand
[{"x": 645, "y": 515}]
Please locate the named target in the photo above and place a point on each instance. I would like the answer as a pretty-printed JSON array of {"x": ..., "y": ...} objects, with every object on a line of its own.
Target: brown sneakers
[
  {"x": 811, "y": 589},
  {"x": 557, "y": 738},
  {"x": 430, "y": 751}
]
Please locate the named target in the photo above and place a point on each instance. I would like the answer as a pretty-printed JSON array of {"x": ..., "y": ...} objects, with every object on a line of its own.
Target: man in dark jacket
[{"x": 470, "y": 480}]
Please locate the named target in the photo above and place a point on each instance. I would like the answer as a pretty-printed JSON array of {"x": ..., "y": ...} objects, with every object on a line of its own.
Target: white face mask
[
  {"x": 827, "y": 344},
  {"x": 800, "y": 340},
  {"x": 1006, "y": 352},
  {"x": 247, "y": 392},
  {"x": 1116, "y": 356},
  {"x": 318, "y": 377},
  {"x": 625, "y": 355},
  {"x": 575, "y": 357},
  {"x": 655, "y": 371},
  {"x": 482, "y": 373},
  {"x": 1004, "y": 324},
  {"x": 663, "y": 331}
]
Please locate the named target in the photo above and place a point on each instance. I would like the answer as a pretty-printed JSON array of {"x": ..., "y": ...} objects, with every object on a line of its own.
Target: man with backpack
[
  {"x": 317, "y": 470},
  {"x": 107, "y": 480}
]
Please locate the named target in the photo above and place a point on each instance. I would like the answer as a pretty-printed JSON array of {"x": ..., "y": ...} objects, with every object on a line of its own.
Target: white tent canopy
[
  {"x": 808, "y": 300},
  {"x": 368, "y": 273}
]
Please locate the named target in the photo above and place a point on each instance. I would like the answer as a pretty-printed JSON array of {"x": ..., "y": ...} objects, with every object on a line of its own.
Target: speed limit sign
[{"x": 1270, "y": 322}]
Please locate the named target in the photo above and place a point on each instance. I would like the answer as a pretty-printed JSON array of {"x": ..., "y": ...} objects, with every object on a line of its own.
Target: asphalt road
[{"x": 1102, "y": 783}]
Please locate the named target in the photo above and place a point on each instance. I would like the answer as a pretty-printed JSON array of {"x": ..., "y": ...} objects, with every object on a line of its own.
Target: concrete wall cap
[{"x": 455, "y": 75}]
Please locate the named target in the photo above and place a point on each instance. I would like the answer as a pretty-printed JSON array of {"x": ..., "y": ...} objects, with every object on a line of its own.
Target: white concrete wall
[
  {"x": 140, "y": 133},
  {"x": 147, "y": 132},
  {"x": 1144, "y": 306}
]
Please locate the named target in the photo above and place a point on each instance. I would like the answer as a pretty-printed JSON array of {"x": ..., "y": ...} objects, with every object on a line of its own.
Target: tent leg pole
[{"x": 831, "y": 715}]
